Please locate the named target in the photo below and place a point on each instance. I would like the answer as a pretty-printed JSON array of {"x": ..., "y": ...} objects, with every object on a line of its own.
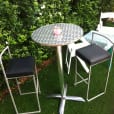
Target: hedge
[{"x": 18, "y": 19}]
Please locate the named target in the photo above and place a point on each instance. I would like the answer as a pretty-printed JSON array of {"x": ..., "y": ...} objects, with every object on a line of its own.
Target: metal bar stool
[
  {"x": 93, "y": 55},
  {"x": 16, "y": 69}
]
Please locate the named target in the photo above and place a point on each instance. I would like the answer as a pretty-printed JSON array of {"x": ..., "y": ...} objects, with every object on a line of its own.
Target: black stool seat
[
  {"x": 20, "y": 67},
  {"x": 92, "y": 54}
]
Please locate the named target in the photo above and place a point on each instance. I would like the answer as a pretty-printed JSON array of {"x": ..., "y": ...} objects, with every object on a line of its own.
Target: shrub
[{"x": 20, "y": 18}]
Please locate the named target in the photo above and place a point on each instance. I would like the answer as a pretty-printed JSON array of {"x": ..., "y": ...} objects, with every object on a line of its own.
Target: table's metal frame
[
  {"x": 63, "y": 95},
  {"x": 63, "y": 87}
]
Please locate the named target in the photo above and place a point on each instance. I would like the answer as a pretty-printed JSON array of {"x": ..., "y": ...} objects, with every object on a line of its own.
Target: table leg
[
  {"x": 63, "y": 87},
  {"x": 60, "y": 68}
]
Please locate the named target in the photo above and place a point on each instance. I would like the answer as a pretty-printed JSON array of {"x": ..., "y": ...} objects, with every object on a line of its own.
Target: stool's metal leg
[
  {"x": 37, "y": 80},
  {"x": 68, "y": 63},
  {"x": 88, "y": 86},
  {"x": 75, "y": 80},
  {"x": 66, "y": 56},
  {"x": 13, "y": 101},
  {"x": 36, "y": 90},
  {"x": 89, "y": 79}
]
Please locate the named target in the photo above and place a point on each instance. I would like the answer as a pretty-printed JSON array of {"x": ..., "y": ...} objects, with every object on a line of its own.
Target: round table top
[{"x": 45, "y": 34}]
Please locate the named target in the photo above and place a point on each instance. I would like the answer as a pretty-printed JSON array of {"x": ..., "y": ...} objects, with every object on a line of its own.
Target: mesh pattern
[{"x": 45, "y": 36}]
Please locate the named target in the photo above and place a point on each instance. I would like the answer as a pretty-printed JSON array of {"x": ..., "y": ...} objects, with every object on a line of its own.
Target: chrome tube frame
[
  {"x": 36, "y": 85},
  {"x": 68, "y": 63},
  {"x": 88, "y": 79}
]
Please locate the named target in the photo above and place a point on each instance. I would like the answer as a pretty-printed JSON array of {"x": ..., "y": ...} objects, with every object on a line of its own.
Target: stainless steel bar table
[{"x": 46, "y": 36}]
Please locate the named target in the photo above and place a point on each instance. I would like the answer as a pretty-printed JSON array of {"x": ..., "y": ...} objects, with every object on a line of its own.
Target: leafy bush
[
  {"x": 17, "y": 23},
  {"x": 107, "y": 6},
  {"x": 20, "y": 18},
  {"x": 87, "y": 14}
]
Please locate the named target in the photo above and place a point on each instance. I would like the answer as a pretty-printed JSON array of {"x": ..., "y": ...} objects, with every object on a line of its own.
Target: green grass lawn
[{"x": 49, "y": 83}]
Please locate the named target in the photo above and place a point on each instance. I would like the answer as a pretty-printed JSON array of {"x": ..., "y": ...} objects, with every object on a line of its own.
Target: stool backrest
[
  {"x": 97, "y": 36},
  {"x": 105, "y": 39},
  {"x": 6, "y": 49}
]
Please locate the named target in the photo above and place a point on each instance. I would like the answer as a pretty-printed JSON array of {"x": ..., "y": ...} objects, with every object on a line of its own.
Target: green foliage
[
  {"x": 18, "y": 19},
  {"x": 52, "y": 11},
  {"x": 16, "y": 25},
  {"x": 106, "y": 6},
  {"x": 88, "y": 14}
]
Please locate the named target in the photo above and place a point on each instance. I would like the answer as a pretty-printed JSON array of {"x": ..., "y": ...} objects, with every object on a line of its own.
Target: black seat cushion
[
  {"x": 20, "y": 67},
  {"x": 92, "y": 54}
]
